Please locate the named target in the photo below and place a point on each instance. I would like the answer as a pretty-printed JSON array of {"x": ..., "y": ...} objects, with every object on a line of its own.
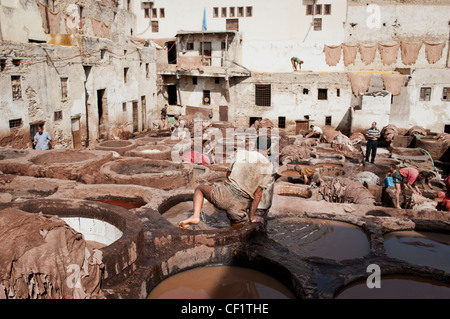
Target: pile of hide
[
  {"x": 416, "y": 130},
  {"x": 294, "y": 154},
  {"x": 344, "y": 190},
  {"x": 357, "y": 137},
  {"x": 389, "y": 132},
  {"x": 367, "y": 177},
  {"x": 43, "y": 258},
  {"x": 343, "y": 144}
]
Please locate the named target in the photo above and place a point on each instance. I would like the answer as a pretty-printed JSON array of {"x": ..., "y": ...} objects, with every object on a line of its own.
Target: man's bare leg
[{"x": 201, "y": 192}]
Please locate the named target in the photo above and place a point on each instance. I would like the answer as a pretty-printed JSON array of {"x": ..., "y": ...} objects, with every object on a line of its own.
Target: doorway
[
  {"x": 205, "y": 51},
  {"x": 223, "y": 113},
  {"x": 144, "y": 112},
  {"x": 76, "y": 133},
  {"x": 172, "y": 94},
  {"x": 102, "y": 114},
  {"x": 172, "y": 52},
  {"x": 135, "y": 117},
  {"x": 253, "y": 120}
]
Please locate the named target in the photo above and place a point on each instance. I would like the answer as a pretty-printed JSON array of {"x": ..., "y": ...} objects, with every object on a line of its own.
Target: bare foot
[{"x": 184, "y": 224}]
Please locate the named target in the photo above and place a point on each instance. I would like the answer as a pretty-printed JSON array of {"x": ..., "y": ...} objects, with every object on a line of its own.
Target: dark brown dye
[
  {"x": 319, "y": 237},
  {"x": 115, "y": 144},
  {"x": 221, "y": 282},
  {"x": 397, "y": 287},
  {"x": 125, "y": 203},
  {"x": 422, "y": 248},
  {"x": 290, "y": 173},
  {"x": 210, "y": 217},
  {"x": 329, "y": 165}
]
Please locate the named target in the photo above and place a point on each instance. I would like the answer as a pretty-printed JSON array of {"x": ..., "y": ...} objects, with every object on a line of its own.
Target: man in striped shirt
[{"x": 372, "y": 135}]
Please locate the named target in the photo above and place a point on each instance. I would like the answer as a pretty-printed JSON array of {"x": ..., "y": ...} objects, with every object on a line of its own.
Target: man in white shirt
[
  {"x": 249, "y": 174},
  {"x": 315, "y": 132},
  {"x": 42, "y": 139}
]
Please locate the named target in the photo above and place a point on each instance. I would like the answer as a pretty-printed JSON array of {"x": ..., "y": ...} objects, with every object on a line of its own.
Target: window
[
  {"x": 57, "y": 115},
  {"x": 146, "y": 13},
  {"x": 240, "y": 12},
  {"x": 248, "y": 11},
  {"x": 446, "y": 94},
  {"x": 263, "y": 94},
  {"x": 322, "y": 94},
  {"x": 309, "y": 9},
  {"x": 2, "y": 64},
  {"x": 327, "y": 9},
  {"x": 447, "y": 128},
  {"x": 206, "y": 97},
  {"x": 194, "y": 80},
  {"x": 232, "y": 12},
  {"x": 125, "y": 73},
  {"x": 64, "y": 92},
  {"x": 215, "y": 12},
  {"x": 232, "y": 25},
  {"x": 155, "y": 26},
  {"x": 16, "y": 62},
  {"x": 281, "y": 122},
  {"x": 162, "y": 13},
  {"x": 327, "y": 120},
  {"x": 425, "y": 94},
  {"x": 190, "y": 46},
  {"x": 224, "y": 12},
  {"x": 217, "y": 80},
  {"x": 305, "y": 91},
  {"x": 102, "y": 53},
  {"x": 15, "y": 123},
  {"x": 154, "y": 13},
  {"x": 147, "y": 70},
  {"x": 318, "y": 9},
  {"x": 124, "y": 106},
  {"x": 338, "y": 92},
  {"x": 317, "y": 24},
  {"x": 16, "y": 87}
]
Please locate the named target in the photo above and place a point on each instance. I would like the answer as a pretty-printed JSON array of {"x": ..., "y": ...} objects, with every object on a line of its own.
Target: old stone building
[
  {"x": 75, "y": 71},
  {"x": 94, "y": 70}
]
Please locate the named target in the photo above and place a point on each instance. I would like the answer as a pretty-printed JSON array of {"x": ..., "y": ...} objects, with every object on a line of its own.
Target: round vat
[
  {"x": 6, "y": 154},
  {"x": 181, "y": 207},
  {"x": 119, "y": 146},
  {"x": 329, "y": 165},
  {"x": 221, "y": 282},
  {"x": 423, "y": 248},
  {"x": 149, "y": 140},
  {"x": 201, "y": 172},
  {"x": 286, "y": 189},
  {"x": 158, "y": 152},
  {"x": 397, "y": 287},
  {"x": 433, "y": 146},
  {"x": 127, "y": 203},
  {"x": 145, "y": 172},
  {"x": 62, "y": 157},
  {"x": 319, "y": 237},
  {"x": 118, "y": 232}
]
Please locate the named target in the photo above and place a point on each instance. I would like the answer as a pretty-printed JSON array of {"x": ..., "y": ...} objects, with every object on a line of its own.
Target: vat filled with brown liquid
[
  {"x": 221, "y": 282},
  {"x": 319, "y": 237},
  {"x": 397, "y": 287},
  {"x": 423, "y": 248}
]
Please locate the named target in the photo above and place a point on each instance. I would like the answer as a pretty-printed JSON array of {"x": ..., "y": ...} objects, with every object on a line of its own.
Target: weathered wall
[
  {"x": 289, "y": 100},
  {"x": 41, "y": 70}
]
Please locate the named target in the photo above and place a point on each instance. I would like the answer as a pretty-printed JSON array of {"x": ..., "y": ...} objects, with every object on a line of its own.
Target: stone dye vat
[
  {"x": 433, "y": 146},
  {"x": 145, "y": 172},
  {"x": 158, "y": 152},
  {"x": 180, "y": 207},
  {"x": 414, "y": 154},
  {"x": 425, "y": 248},
  {"x": 221, "y": 282},
  {"x": 288, "y": 189},
  {"x": 397, "y": 287},
  {"x": 117, "y": 232},
  {"x": 61, "y": 164},
  {"x": 119, "y": 146},
  {"x": 319, "y": 237}
]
